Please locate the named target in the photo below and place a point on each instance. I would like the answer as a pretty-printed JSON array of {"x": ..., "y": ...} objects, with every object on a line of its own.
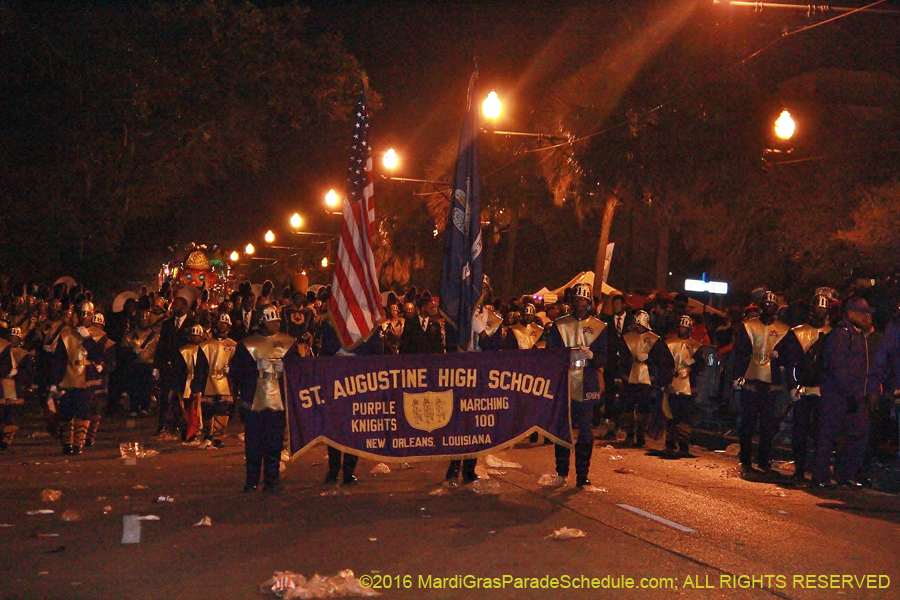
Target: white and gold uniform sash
[
  {"x": 219, "y": 354},
  {"x": 639, "y": 344},
  {"x": 268, "y": 386},
  {"x": 576, "y": 333},
  {"x": 527, "y": 336},
  {"x": 683, "y": 352},
  {"x": 764, "y": 338}
]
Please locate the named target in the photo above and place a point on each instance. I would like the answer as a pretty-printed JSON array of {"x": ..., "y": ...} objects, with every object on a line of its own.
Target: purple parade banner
[{"x": 407, "y": 408}]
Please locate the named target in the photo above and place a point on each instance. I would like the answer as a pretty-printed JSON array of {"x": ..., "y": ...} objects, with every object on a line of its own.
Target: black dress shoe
[
  {"x": 88, "y": 443},
  {"x": 582, "y": 480},
  {"x": 249, "y": 488},
  {"x": 67, "y": 448},
  {"x": 350, "y": 480},
  {"x": 818, "y": 485},
  {"x": 331, "y": 478},
  {"x": 850, "y": 483}
]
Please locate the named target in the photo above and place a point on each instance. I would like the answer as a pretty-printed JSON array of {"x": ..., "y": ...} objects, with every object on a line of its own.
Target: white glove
[
  {"x": 155, "y": 373},
  {"x": 278, "y": 366},
  {"x": 53, "y": 389},
  {"x": 642, "y": 357},
  {"x": 581, "y": 353},
  {"x": 263, "y": 364},
  {"x": 479, "y": 323},
  {"x": 49, "y": 348},
  {"x": 83, "y": 332},
  {"x": 99, "y": 368},
  {"x": 795, "y": 394},
  {"x": 226, "y": 369},
  {"x": 773, "y": 354},
  {"x": 738, "y": 383},
  {"x": 689, "y": 361},
  {"x": 12, "y": 372}
]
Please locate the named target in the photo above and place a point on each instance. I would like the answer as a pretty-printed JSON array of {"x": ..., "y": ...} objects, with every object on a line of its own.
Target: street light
[
  {"x": 390, "y": 159},
  {"x": 270, "y": 237},
  {"x": 296, "y": 221},
  {"x": 234, "y": 256},
  {"x": 784, "y": 126},
  {"x": 492, "y": 106},
  {"x": 331, "y": 199},
  {"x": 325, "y": 262},
  {"x": 249, "y": 249}
]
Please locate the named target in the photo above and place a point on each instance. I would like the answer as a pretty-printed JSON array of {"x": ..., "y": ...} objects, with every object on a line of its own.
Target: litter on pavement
[{"x": 567, "y": 533}]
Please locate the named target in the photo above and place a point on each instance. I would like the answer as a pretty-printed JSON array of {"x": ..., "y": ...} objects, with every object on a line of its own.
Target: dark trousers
[
  {"x": 582, "y": 412},
  {"x": 468, "y": 469},
  {"x": 263, "y": 442},
  {"x": 74, "y": 404},
  {"x": 171, "y": 415},
  {"x": 637, "y": 402},
  {"x": 335, "y": 463},
  {"x": 757, "y": 406},
  {"x": 835, "y": 424},
  {"x": 804, "y": 423},
  {"x": 678, "y": 428},
  {"x": 140, "y": 381}
]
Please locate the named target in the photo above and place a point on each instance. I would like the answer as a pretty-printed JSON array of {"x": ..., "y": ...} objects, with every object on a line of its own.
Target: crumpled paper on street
[
  {"x": 567, "y": 533},
  {"x": 135, "y": 450},
  {"x": 289, "y": 585},
  {"x": 498, "y": 463},
  {"x": 594, "y": 489},
  {"x": 486, "y": 486},
  {"x": 204, "y": 522},
  {"x": 776, "y": 491},
  {"x": 551, "y": 480},
  {"x": 70, "y": 515},
  {"x": 40, "y": 511},
  {"x": 49, "y": 495},
  {"x": 380, "y": 469}
]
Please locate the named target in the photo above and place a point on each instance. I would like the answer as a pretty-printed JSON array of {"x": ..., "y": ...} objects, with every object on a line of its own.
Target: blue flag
[{"x": 461, "y": 276}]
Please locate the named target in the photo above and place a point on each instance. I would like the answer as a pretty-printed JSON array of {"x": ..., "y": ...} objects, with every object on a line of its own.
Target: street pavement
[{"x": 686, "y": 528}]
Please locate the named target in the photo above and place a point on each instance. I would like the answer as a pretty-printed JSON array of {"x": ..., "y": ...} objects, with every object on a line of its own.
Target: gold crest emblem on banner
[{"x": 429, "y": 410}]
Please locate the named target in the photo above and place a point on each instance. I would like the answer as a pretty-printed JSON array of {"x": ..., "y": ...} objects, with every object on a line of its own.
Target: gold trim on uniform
[
  {"x": 764, "y": 338},
  {"x": 218, "y": 354},
  {"x": 639, "y": 344},
  {"x": 76, "y": 360},
  {"x": 576, "y": 333},
  {"x": 494, "y": 321},
  {"x": 807, "y": 335},
  {"x": 527, "y": 335},
  {"x": 682, "y": 352},
  {"x": 189, "y": 354},
  {"x": 268, "y": 386}
]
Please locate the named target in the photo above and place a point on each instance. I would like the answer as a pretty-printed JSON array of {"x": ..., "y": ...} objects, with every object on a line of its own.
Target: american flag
[{"x": 355, "y": 303}]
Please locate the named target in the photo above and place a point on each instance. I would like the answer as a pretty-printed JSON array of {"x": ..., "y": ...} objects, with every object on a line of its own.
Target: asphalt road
[{"x": 720, "y": 536}]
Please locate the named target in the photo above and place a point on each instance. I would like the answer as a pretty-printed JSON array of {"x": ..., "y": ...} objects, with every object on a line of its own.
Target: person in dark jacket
[
  {"x": 799, "y": 352},
  {"x": 844, "y": 413}
]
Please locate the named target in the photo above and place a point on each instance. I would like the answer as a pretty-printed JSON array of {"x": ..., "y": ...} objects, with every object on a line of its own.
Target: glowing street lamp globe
[
  {"x": 234, "y": 256},
  {"x": 390, "y": 159},
  {"x": 270, "y": 237},
  {"x": 325, "y": 262},
  {"x": 331, "y": 199},
  {"x": 784, "y": 126},
  {"x": 492, "y": 106},
  {"x": 249, "y": 249},
  {"x": 296, "y": 221}
]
